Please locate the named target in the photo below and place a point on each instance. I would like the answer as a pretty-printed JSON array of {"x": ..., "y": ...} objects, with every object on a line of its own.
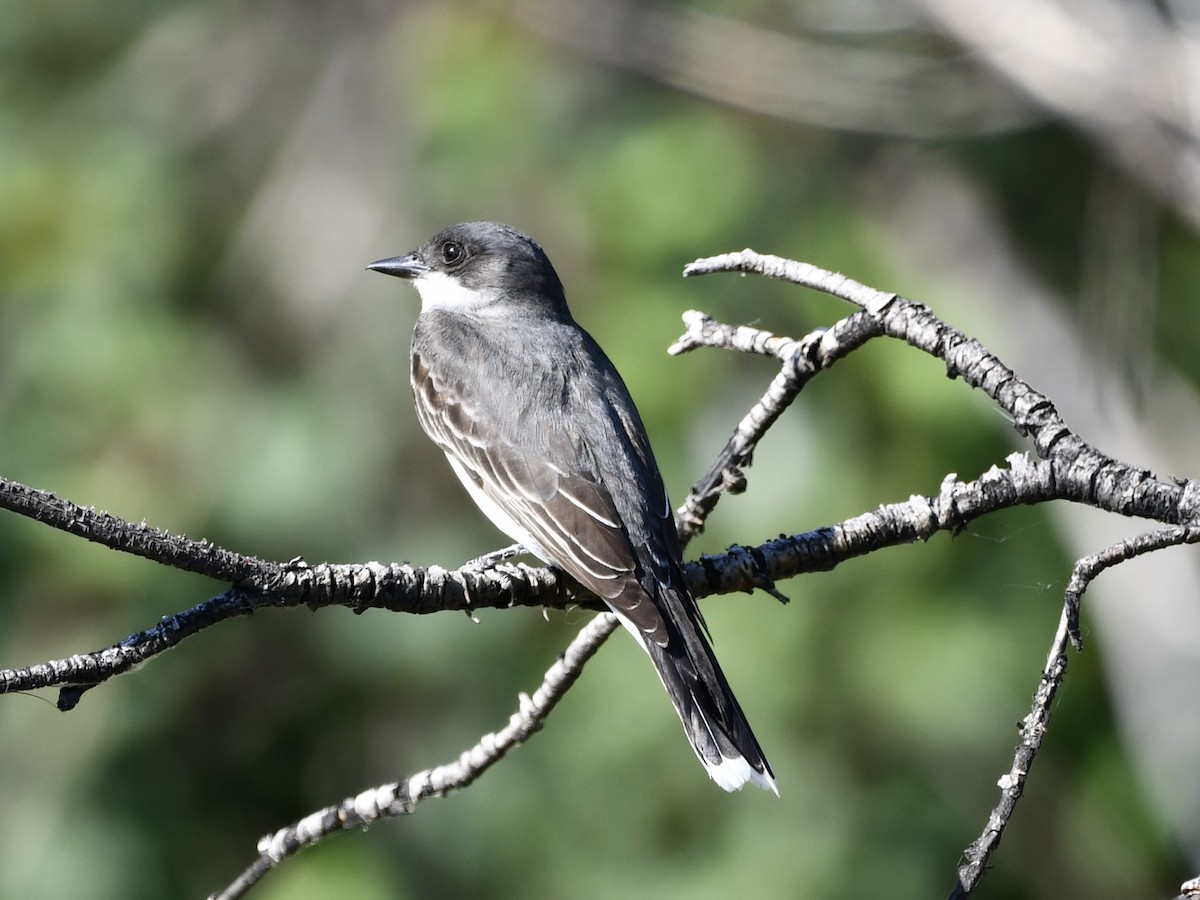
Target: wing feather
[{"x": 554, "y": 498}]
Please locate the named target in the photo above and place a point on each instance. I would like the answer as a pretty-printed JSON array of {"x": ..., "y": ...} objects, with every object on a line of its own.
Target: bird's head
[{"x": 477, "y": 265}]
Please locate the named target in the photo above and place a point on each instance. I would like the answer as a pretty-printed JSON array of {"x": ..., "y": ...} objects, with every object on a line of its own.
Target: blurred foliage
[{"x": 188, "y": 195}]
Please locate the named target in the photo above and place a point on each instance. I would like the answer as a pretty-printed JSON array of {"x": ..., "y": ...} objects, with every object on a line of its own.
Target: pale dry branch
[
  {"x": 401, "y": 798},
  {"x": 1033, "y": 727}
]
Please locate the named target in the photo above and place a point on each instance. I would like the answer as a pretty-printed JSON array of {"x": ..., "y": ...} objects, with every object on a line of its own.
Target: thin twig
[
  {"x": 1089, "y": 567},
  {"x": 1012, "y": 783},
  {"x": 1081, "y": 473},
  {"x": 800, "y": 361},
  {"x": 835, "y": 284},
  {"x": 1033, "y": 728},
  {"x": 401, "y": 798},
  {"x": 138, "y": 539}
]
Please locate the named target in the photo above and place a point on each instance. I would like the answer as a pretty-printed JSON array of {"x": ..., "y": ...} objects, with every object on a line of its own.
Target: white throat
[{"x": 438, "y": 289}]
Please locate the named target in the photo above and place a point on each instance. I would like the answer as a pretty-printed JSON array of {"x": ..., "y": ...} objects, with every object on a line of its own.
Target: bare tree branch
[
  {"x": 1079, "y": 472},
  {"x": 1068, "y": 469},
  {"x": 1012, "y": 783},
  {"x": 401, "y": 798},
  {"x": 1033, "y": 727},
  {"x": 801, "y": 360},
  {"x": 140, "y": 539}
]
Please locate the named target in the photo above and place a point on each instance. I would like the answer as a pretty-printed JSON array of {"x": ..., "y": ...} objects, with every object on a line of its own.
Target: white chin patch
[{"x": 439, "y": 289}]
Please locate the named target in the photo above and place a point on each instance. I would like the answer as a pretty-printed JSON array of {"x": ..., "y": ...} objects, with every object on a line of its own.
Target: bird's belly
[{"x": 495, "y": 513}]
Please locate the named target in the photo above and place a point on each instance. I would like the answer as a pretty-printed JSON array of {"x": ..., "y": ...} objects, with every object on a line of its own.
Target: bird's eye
[{"x": 453, "y": 253}]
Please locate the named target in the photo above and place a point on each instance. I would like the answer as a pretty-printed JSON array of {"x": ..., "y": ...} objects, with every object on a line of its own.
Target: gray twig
[{"x": 1034, "y": 725}]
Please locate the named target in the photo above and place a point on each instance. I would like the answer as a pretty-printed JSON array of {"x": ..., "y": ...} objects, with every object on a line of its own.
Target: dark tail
[{"x": 713, "y": 720}]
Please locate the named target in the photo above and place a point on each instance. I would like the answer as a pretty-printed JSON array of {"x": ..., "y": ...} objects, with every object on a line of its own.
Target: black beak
[{"x": 409, "y": 266}]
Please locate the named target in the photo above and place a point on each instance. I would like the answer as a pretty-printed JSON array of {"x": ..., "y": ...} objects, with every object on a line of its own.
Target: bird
[{"x": 540, "y": 428}]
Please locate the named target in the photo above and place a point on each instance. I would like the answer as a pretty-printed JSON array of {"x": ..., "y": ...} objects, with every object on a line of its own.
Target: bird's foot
[{"x": 490, "y": 559}]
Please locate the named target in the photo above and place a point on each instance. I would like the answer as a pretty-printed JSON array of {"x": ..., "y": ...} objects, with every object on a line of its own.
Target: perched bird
[{"x": 541, "y": 430}]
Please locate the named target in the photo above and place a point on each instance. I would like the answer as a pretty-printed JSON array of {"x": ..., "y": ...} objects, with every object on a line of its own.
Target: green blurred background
[{"x": 188, "y": 195}]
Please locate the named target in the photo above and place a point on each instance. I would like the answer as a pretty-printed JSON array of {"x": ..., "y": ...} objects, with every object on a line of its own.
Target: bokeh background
[{"x": 188, "y": 195}]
